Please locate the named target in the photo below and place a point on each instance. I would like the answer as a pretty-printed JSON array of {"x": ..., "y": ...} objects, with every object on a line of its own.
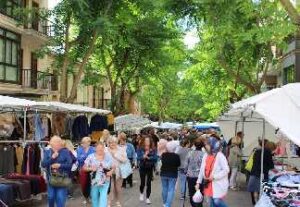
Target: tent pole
[
  {"x": 262, "y": 158},
  {"x": 25, "y": 125}
]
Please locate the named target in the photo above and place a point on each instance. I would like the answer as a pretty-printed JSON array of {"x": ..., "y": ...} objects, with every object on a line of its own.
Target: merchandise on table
[{"x": 282, "y": 190}]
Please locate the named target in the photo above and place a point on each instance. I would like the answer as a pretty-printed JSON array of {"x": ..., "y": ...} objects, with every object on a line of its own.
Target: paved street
[{"x": 131, "y": 198}]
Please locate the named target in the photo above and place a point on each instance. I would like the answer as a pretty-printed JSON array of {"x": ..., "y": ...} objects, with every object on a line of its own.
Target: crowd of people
[{"x": 202, "y": 164}]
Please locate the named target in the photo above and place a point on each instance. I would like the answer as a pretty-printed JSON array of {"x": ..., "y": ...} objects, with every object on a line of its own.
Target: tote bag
[{"x": 125, "y": 169}]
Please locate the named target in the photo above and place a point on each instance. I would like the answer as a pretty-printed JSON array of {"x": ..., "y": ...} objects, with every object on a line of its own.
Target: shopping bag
[
  {"x": 125, "y": 169},
  {"x": 198, "y": 197},
  {"x": 249, "y": 163}
]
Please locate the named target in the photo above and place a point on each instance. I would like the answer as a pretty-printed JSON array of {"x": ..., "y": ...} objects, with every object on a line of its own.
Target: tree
[
  {"x": 235, "y": 52},
  {"x": 132, "y": 52}
]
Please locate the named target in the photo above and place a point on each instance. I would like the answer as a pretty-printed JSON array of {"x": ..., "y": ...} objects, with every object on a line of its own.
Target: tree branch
[{"x": 291, "y": 10}]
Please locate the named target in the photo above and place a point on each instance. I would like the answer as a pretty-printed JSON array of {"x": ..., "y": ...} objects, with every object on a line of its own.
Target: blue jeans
[
  {"x": 57, "y": 196},
  {"x": 168, "y": 190},
  {"x": 182, "y": 179},
  {"x": 99, "y": 195},
  {"x": 217, "y": 202}
]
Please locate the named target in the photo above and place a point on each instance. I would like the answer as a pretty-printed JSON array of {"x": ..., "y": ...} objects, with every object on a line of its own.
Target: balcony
[
  {"x": 41, "y": 28},
  {"x": 38, "y": 80}
]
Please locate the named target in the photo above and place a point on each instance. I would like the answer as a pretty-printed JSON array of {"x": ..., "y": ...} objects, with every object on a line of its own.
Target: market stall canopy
[
  {"x": 280, "y": 108},
  {"x": 165, "y": 125},
  {"x": 66, "y": 107},
  {"x": 130, "y": 122},
  {"x": 204, "y": 126},
  {"x": 11, "y": 103}
]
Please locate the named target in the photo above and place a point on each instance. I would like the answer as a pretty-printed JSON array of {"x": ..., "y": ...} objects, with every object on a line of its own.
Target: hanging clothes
[
  {"x": 96, "y": 135},
  {"x": 39, "y": 132},
  {"x": 31, "y": 160},
  {"x": 6, "y": 124},
  {"x": 7, "y": 159},
  {"x": 19, "y": 155},
  {"x": 80, "y": 128},
  {"x": 111, "y": 122},
  {"x": 58, "y": 124},
  {"x": 69, "y": 121},
  {"x": 98, "y": 123}
]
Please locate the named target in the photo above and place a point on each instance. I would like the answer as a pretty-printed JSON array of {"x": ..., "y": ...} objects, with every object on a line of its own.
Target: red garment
[
  {"x": 209, "y": 165},
  {"x": 42, "y": 186},
  {"x": 85, "y": 183}
]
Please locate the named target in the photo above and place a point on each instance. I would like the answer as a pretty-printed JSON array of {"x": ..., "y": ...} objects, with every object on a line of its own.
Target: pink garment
[{"x": 281, "y": 148}]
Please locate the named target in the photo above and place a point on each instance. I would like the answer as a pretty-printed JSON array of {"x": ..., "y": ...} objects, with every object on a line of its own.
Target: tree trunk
[
  {"x": 80, "y": 73},
  {"x": 64, "y": 70}
]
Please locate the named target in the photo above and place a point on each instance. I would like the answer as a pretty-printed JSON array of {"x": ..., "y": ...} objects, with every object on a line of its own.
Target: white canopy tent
[
  {"x": 268, "y": 113},
  {"x": 10, "y": 103},
  {"x": 165, "y": 125},
  {"x": 66, "y": 107},
  {"x": 271, "y": 112},
  {"x": 130, "y": 122}
]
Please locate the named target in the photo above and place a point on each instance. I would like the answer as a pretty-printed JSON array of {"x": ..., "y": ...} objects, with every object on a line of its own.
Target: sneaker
[
  {"x": 233, "y": 188},
  {"x": 148, "y": 202},
  {"x": 84, "y": 202},
  {"x": 141, "y": 197}
]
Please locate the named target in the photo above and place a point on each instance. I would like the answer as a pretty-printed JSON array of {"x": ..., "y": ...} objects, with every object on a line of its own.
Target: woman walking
[
  {"x": 214, "y": 173},
  {"x": 99, "y": 165},
  {"x": 83, "y": 152},
  {"x": 192, "y": 169},
  {"x": 119, "y": 156},
  {"x": 131, "y": 155},
  {"x": 169, "y": 173},
  {"x": 57, "y": 160},
  {"x": 234, "y": 160},
  {"x": 183, "y": 150},
  {"x": 254, "y": 180},
  {"x": 69, "y": 145},
  {"x": 147, "y": 157}
]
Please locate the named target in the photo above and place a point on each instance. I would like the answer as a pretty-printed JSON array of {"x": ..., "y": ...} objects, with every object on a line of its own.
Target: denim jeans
[
  {"x": 182, "y": 180},
  {"x": 57, "y": 196},
  {"x": 168, "y": 190},
  {"x": 217, "y": 202},
  {"x": 99, "y": 195}
]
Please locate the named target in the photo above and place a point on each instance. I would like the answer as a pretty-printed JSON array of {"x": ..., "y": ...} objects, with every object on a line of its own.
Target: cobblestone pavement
[{"x": 131, "y": 198}]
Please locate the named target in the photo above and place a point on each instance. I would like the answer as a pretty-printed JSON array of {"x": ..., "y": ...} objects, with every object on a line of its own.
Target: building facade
[{"x": 22, "y": 73}]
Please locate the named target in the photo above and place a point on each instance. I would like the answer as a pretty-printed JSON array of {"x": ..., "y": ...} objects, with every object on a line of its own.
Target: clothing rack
[
  {"x": 22, "y": 142},
  {"x": 3, "y": 204}
]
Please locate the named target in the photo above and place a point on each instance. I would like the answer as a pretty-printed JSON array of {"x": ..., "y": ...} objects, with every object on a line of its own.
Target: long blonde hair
[{"x": 69, "y": 145}]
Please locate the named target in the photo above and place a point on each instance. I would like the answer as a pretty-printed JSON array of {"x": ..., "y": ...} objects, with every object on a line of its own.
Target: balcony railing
[
  {"x": 101, "y": 103},
  {"x": 38, "y": 80},
  {"x": 41, "y": 27}
]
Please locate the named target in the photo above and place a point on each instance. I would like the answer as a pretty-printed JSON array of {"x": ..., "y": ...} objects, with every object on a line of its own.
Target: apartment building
[{"x": 22, "y": 74}]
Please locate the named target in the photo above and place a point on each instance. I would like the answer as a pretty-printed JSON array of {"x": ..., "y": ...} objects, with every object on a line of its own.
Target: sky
[{"x": 190, "y": 38}]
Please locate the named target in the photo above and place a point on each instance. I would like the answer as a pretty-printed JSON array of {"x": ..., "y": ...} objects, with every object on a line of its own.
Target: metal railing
[{"x": 38, "y": 80}]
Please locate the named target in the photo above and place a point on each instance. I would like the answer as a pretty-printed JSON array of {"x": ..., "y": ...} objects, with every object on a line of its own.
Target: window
[
  {"x": 9, "y": 56},
  {"x": 8, "y": 7},
  {"x": 289, "y": 74}
]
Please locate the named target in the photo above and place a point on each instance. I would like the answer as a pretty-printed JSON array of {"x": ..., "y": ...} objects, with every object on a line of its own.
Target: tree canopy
[{"x": 138, "y": 47}]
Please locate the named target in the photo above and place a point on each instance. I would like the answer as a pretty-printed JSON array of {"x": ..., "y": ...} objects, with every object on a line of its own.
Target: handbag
[
  {"x": 249, "y": 164},
  {"x": 59, "y": 180},
  {"x": 125, "y": 169}
]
